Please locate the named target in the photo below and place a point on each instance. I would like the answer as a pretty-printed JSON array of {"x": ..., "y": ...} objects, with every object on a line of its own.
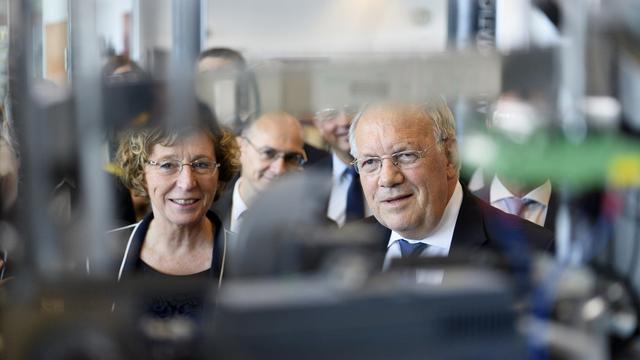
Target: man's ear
[
  {"x": 316, "y": 123},
  {"x": 453, "y": 159}
]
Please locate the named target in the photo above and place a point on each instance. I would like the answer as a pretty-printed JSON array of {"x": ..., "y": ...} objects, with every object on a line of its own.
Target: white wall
[
  {"x": 154, "y": 24},
  {"x": 54, "y": 11},
  {"x": 307, "y": 28},
  {"x": 300, "y": 28},
  {"x": 110, "y": 23}
]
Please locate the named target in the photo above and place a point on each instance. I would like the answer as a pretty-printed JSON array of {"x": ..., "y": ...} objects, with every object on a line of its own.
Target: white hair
[{"x": 444, "y": 125}]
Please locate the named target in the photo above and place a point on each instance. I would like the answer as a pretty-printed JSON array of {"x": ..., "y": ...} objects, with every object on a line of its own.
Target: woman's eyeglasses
[{"x": 172, "y": 167}]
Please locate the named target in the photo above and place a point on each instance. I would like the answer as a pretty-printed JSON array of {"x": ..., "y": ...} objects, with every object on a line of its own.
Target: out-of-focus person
[
  {"x": 121, "y": 69},
  {"x": 9, "y": 166},
  {"x": 182, "y": 170},
  {"x": 407, "y": 158},
  {"x": 9, "y": 174},
  {"x": 270, "y": 147},
  {"x": 530, "y": 198},
  {"x": 346, "y": 202},
  {"x": 226, "y": 83},
  {"x": 124, "y": 82}
]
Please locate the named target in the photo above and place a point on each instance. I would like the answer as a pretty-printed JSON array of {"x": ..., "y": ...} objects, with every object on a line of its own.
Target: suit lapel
[
  {"x": 469, "y": 233},
  {"x": 552, "y": 208}
]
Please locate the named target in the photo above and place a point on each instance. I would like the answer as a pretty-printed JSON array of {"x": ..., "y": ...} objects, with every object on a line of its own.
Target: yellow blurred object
[
  {"x": 624, "y": 170},
  {"x": 113, "y": 169}
]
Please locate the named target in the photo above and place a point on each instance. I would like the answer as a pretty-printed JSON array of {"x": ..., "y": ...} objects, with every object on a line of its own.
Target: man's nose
[
  {"x": 343, "y": 119},
  {"x": 278, "y": 166},
  {"x": 390, "y": 175}
]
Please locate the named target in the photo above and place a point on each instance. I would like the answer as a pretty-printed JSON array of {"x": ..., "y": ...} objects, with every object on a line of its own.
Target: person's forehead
[
  {"x": 216, "y": 63},
  {"x": 276, "y": 134},
  {"x": 200, "y": 143},
  {"x": 122, "y": 69},
  {"x": 395, "y": 118}
]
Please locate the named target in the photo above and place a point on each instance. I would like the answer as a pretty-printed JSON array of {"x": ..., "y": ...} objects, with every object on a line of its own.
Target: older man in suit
[
  {"x": 407, "y": 159},
  {"x": 270, "y": 147}
]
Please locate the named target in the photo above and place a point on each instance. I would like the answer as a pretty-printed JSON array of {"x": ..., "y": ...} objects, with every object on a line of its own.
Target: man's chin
[
  {"x": 402, "y": 226},
  {"x": 344, "y": 146},
  {"x": 396, "y": 225},
  {"x": 265, "y": 184}
]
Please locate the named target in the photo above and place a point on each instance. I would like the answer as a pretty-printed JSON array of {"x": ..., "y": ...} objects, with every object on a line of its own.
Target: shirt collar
[
  {"x": 541, "y": 194},
  {"x": 238, "y": 206},
  {"x": 498, "y": 192},
  {"x": 443, "y": 233}
]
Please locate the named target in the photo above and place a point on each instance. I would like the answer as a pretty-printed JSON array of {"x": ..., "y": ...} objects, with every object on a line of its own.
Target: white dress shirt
[
  {"x": 337, "y": 209},
  {"x": 535, "y": 212},
  {"x": 439, "y": 240},
  {"x": 238, "y": 207}
]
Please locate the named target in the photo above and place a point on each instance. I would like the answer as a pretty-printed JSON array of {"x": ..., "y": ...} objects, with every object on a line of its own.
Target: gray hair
[{"x": 436, "y": 109}]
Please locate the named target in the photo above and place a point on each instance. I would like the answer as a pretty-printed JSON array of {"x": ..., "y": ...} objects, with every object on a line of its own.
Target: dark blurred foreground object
[
  {"x": 100, "y": 320},
  {"x": 286, "y": 232},
  {"x": 310, "y": 318},
  {"x": 317, "y": 319}
]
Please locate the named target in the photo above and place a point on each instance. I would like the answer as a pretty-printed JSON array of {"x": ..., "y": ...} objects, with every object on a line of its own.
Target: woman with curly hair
[{"x": 182, "y": 170}]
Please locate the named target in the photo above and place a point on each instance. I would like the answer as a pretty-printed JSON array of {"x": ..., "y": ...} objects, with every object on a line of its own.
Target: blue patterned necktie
[
  {"x": 411, "y": 250},
  {"x": 517, "y": 206},
  {"x": 355, "y": 201}
]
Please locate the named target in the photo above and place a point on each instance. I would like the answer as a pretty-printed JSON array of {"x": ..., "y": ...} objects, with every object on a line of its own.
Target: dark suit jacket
[
  {"x": 222, "y": 206},
  {"x": 324, "y": 167},
  {"x": 481, "y": 226},
  {"x": 315, "y": 155},
  {"x": 549, "y": 221}
]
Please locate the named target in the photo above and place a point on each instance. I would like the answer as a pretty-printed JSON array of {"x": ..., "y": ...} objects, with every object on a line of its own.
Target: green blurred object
[{"x": 598, "y": 160}]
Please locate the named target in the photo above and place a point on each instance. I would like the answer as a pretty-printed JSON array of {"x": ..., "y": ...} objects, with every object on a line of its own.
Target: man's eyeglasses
[
  {"x": 402, "y": 159},
  {"x": 269, "y": 154},
  {"x": 329, "y": 114},
  {"x": 172, "y": 167}
]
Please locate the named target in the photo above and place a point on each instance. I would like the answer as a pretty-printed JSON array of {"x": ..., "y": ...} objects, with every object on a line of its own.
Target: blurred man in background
[
  {"x": 225, "y": 84},
  {"x": 346, "y": 202},
  {"x": 230, "y": 88},
  {"x": 530, "y": 197},
  {"x": 8, "y": 167}
]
